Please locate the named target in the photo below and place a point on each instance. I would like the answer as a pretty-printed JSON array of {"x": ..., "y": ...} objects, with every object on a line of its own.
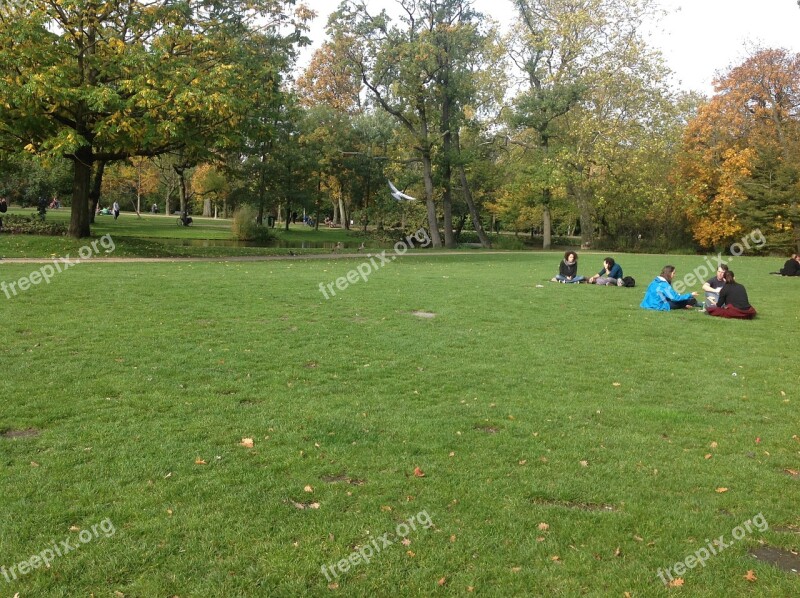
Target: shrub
[
  {"x": 245, "y": 227},
  {"x": 32, "y": 225}
]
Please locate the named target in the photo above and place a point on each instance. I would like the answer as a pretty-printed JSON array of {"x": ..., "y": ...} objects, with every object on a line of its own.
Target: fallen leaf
[
  {"x": 405, "y": 542},
  {"x": 119, "y": 594},
  {"x": 584, "y": 464},
  {"x": 544, "y": 526},
  {"x": 308, "y": 488},
  {"x": 442, "y": 581},
  {"x": 74, "y": 528},
  {"x": 452, "y": 538},
  {"x": 555, "y": 558},
  {"x": 333, "y": 586},
  {"x": 721, "y": 490},
  {"x": 617, "y": 552},
  {"x": 750, "y": 575},
  {"x": 314, "y": 505},
  {"x": 419, "y": 474},
  {"x": 452, "y": 454},
  {"x": 626, "y": 595},
  {"x": 34, "y": 464},
  {"x": 638, "y": 538},
  {"x": 793, "y": 472},
  {"x": 758, "y": 440},
  {"x": 470, "y": 588},
  {"x": 169, "y": 512},
  {"x": 516, "y": 569},
  {"x": 411, "y": 553},
  {"x": 386, "y": 508},
  {"x": 708, "y": 456},
  {"x": 713, "y": 444},
  {"x": 523, "y": 462},
  {"x": 616, "y": 384},
  {"x": 246, "y": 443},
  {"x": 675, "y": 583},
  {"x": 199, "y": 461},
  {"x": 540, "y": 539}
]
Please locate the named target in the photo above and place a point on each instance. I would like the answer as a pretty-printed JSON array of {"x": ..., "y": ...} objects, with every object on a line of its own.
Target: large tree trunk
[
  {"x": 82, "y": 175},
  {"x": 546, "y": 219},
  {"x": 473, "y": 209},
  {"x": 433, "y": 224},
  {"x": 343, "y": 213},
  {"x": 94, "y": 193}
]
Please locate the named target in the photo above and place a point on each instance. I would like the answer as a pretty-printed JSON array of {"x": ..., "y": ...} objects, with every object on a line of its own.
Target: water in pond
[{"x": 237, "y": 243}]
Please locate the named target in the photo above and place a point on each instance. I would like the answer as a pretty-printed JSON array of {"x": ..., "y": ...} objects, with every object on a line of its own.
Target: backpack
[
  {"x": 3, "y": 207},
  {"x": 628, "y": 281}
]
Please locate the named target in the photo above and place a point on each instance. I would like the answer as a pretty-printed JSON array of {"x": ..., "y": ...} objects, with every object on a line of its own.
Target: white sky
[{"x": 698, "y": 39}]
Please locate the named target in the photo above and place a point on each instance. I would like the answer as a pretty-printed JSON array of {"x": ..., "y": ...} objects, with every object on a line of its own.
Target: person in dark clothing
[
  {"x": 791, "y": 267},
  {"x": 568, "y": 269},
  {"x": 3, "y": 210},
  {"x": 733, "y": 301}
]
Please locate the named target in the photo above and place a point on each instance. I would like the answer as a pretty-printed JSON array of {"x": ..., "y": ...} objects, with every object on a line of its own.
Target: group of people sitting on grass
[
  {"x": 609, "y": 275},
  {"x": 724, "y": 297}
]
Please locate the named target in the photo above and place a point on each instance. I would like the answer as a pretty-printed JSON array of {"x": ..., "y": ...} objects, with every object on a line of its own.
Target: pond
[{"x": 237, "y": 243}]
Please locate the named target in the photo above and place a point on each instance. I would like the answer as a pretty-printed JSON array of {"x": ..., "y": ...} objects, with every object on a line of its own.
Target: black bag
[
  {"x": 3, "y": 207},
  {"x": 628, "y": 281}
]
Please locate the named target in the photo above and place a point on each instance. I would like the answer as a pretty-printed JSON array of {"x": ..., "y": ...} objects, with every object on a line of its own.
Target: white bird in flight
[{"x": 397, "y": 194}]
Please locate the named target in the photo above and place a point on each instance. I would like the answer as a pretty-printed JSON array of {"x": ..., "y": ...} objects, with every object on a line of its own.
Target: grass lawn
[
  {"x": 571, "y": 443},
  {"x": 160, "y": 236}
]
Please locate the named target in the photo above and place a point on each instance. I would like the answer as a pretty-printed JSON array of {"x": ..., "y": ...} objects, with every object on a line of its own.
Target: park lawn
[
  {"x": 571, "y": 443},
  {"x": 157, "y": 235}
]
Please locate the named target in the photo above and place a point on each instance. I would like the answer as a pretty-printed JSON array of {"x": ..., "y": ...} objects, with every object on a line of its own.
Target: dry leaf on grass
[
  {"x": 405, "y": 542},
  {"x": 750, "y": 575},
  {"x": 675, "y": 583},
  {"x": 708, "y": 456},
  {"x": 333, "y": 586},
  {"x": 442, "y": 581},
  {"x": 308, "y": 488},
  {"x": 246, "y": 443},
  {"x": 721, "y": 490},
  {"x": 584, "y": 464},
  {"x": 411, "y": 553},
  {"x": 543, "y": 526},
  {"x": 713, "y": 444},
  {"x": 199, "y": 461},
  {"x": 418, "y": 473}
]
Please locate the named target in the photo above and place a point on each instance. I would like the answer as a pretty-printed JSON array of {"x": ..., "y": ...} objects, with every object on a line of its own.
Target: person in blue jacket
[
  {"x": 662, "y": 297},
  {"x": 610, "y": 275}
]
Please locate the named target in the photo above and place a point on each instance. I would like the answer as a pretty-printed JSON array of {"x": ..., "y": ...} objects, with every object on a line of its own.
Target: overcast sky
[{"x": 698, "y": 39}]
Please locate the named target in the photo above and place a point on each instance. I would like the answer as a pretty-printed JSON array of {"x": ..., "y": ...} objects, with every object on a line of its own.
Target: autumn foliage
[{"x": 741, "y": 153}]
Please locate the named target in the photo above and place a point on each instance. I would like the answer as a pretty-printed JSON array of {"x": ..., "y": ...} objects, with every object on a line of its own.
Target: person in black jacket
[
  {"x": 733, "y": 301},
  {"x": 568, "y": 269},
  {"x": 791, "y": 267}
]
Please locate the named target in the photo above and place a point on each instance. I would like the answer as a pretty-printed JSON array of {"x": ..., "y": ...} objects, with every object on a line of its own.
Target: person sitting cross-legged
[
  {"x": 609, "y": 275},
  {"x": 568, "y": 269},
  {"x": 733, "y": 301},
  {"x": 660, "y": 295}
]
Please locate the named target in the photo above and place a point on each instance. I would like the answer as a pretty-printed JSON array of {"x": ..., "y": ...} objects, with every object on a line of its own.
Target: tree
[
  {"x": 569, "y": 51},
  {"x": 103, "y": 80},
  {"x": 742, "y": 153}
]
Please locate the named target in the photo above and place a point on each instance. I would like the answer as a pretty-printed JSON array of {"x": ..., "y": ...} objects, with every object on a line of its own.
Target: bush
[
  {"x": 32, "y": 225},
  {"x": 245, "y": 227}
]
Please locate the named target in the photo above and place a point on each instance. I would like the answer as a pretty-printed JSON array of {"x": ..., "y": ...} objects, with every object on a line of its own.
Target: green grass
[
  {"x": 132, "y": 372},
  {"x": 159, "y": 236}
]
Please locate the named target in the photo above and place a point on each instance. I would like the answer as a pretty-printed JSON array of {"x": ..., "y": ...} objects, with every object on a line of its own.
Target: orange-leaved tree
[{"x": 742, "y": 153}]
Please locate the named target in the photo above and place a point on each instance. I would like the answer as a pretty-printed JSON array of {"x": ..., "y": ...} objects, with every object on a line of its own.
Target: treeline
[{"x": 566, "y": 125}]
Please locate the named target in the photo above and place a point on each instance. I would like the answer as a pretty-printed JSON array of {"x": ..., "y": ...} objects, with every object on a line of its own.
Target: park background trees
[{"x": 568, "y": 124}]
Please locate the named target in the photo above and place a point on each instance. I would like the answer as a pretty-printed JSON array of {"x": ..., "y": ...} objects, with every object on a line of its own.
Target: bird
[{"x": 399, "y": 195}]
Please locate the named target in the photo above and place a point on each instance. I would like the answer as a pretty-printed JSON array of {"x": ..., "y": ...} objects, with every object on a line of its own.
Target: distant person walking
[
  {"x": 3, "y": 210},
  {"x": 115, "y": 209}
]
